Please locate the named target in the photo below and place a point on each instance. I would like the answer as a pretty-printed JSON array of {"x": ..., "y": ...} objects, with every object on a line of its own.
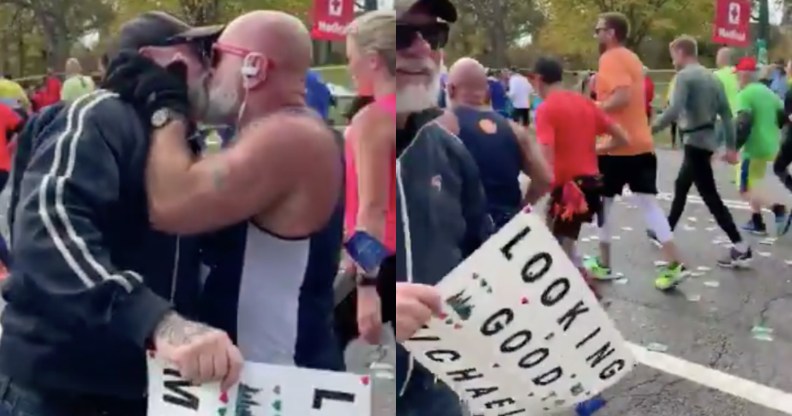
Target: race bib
[
  {"x": 521, "y": 332},
  {"x": 264, "y": 390}
]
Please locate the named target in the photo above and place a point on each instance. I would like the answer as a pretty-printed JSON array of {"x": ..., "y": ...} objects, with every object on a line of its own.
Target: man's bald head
[
  {"x": 276, "y": 35},
  {"x": 724, "y": 57},
  {"x": 73, "y": 67},
  {"x": 467, "y": 69},
  {"x": 467, "y": 83},
  {"x": 275, "y": 50}
]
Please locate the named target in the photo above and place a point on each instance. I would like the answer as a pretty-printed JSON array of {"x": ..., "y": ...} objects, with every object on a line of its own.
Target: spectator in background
[
  {"x": 318, "y": 95},
  {"x": 778, "y": 79},
  {"x": 649, "y": 92},
  {"x": 520, "y": 91},
  {"x": 497, "y": 94},
  {"x": 12, "y": 94},
  {"x": 52, "y": 87},
  {"x": 76, "y": 84},
  {"x": 39, "y": 99}
]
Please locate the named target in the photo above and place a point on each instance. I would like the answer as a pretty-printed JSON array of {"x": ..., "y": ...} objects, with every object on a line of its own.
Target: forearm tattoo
[{"x": 176, "y": 330}]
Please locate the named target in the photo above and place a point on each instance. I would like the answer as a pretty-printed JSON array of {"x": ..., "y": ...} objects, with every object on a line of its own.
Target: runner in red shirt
[
  {"x": 10, "y": 124},
  {"x": 567, "y": 125}
]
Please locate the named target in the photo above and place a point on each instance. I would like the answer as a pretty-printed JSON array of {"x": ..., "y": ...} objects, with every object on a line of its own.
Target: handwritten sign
[
  {"x": 522, "y": 333},
  {"x": 264, "y": 390}
]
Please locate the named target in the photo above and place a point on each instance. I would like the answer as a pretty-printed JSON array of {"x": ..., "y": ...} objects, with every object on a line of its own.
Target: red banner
[
  {"x": 331, "y": 17},
  {"x": 732, "y": 23}
]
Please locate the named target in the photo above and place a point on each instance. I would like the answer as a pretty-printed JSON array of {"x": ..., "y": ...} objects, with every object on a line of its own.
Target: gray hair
[{"x": 375, "y": 32}]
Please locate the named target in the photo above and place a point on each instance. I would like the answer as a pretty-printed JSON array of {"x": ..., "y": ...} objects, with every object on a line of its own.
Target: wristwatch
[{"x": 163, "y": 117}]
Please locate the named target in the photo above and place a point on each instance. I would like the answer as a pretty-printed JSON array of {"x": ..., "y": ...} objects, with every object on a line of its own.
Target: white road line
[{"x": 738, "y": 387}]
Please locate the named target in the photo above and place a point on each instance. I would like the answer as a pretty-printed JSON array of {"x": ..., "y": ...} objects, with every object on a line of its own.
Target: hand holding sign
[
  {"x": 415, "y": 304},
  {"x": 200, "y": 353},
  {"x": 263, "y": 390}
]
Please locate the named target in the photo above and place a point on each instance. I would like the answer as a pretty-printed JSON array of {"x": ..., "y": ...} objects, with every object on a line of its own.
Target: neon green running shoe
[
  {"x": 670, "y": 276},
  {"x": 596, "y": 270}
]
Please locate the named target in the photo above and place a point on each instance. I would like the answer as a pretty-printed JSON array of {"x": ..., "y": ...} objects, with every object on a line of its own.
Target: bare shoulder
[
  {"x": 286, "y": 131},
  {"x": 374, "y": 118}
]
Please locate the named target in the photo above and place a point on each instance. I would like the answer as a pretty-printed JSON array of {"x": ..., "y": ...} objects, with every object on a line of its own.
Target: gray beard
[{"x": 416, "y": 98}]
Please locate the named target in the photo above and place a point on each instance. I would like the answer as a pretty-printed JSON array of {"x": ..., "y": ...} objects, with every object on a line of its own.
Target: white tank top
[{"x": 267, "y": 316}]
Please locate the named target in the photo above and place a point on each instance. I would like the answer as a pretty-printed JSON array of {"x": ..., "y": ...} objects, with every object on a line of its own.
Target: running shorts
[
  {"x": 591, "y": 187},
  {"x": 639, "y": 172},
  {"x": 750, "y": 174}
]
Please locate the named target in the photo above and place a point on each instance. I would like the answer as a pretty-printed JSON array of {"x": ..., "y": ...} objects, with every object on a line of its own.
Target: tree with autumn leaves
[
  {"x": 36, "y": 34},
  {"x": 513, "y": 32}
]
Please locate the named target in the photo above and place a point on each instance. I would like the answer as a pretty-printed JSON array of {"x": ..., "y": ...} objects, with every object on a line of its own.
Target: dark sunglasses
[
  {"x": 435, "y": 34},
  {"x": 201, "y": 47}
]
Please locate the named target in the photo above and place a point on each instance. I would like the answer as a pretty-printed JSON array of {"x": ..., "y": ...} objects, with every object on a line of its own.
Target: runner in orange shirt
[{"x": 620, "y": 92}]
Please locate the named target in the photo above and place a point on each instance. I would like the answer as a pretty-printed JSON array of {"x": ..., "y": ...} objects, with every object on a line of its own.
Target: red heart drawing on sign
[
  {"x": 224, "y": 397},
  {"x": 524, "y": 300},
  {"x": 365, "y": 380}
]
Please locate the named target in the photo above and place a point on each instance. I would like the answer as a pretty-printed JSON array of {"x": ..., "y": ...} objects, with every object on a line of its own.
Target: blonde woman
[{"x": 371, "y": 165}]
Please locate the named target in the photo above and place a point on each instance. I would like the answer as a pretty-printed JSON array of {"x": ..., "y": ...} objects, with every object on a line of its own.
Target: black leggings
[
  {"x": 346, "y": 311},
  {"x": 784, "y": 159},
  {"x": 697, "y": 169}
]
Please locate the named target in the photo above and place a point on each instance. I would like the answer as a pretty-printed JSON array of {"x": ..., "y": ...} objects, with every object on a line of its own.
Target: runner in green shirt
[{"x": 759, "y": 111}]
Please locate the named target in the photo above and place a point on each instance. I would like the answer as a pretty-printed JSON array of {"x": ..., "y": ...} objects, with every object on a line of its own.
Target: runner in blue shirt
[{"x": 317, "y": 94}]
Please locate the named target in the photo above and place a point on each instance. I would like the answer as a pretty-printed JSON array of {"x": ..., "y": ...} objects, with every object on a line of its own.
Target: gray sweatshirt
[{"x": 696, "y": 103}]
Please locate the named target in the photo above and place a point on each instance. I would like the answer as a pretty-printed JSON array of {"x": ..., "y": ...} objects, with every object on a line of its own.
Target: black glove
[{"x": 147, "y": 86}]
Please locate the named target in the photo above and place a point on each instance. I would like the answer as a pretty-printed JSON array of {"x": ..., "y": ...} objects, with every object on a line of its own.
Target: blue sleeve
[{"x": 72, "y": 180}]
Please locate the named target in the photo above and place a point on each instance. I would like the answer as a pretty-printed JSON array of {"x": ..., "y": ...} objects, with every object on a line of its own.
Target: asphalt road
[{"x": 699, "y": 323}]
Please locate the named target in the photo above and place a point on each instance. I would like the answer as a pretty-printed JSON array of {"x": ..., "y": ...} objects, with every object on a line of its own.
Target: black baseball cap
[
  {"x": 443, "y": 9},
  {"x": 548, "y": 70},
  {"x": 158, "y": 28}
]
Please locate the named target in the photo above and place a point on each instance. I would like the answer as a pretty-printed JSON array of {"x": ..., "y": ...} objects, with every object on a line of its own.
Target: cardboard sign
[
  {"x": 264, "y": 390},
  {"x": 522, "y": 334}
]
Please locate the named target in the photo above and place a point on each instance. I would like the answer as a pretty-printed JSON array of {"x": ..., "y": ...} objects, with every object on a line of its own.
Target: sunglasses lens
[
  {"x": 435, "y": 35},
  {"x": 405, "y": 35}
]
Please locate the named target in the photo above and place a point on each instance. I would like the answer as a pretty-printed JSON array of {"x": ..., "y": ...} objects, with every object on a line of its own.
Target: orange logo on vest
[{"x": 488, "y": 126}]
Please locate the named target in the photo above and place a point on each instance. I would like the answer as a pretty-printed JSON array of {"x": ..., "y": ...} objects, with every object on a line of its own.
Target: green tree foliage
[
  {"x": 40, "y": 34},
  {"x": 570, "y": 23},
  {"x": 487, "y": 30}
]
